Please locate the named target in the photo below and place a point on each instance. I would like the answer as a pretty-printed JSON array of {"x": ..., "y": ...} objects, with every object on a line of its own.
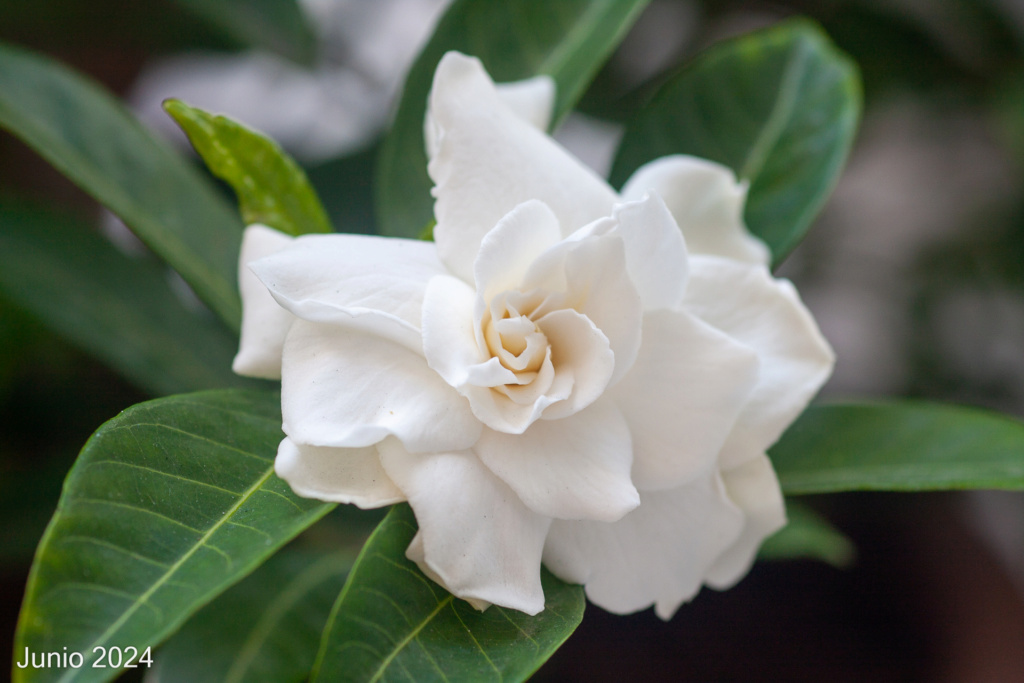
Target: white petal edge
[
  {"x": 682, "y": 397},
  {"x": 264, "y": 322},
  {"x": 766, "y": 314},
  {"x": 531, "y": 99},
  {"x": 754, "y": 487},
  {"x": 656, "y": 555},
  {"x": 656, "y": 256},
  {"x": 336, "y": 475},
  {"x": 348, "y": 389},
  {"x": 489, "y": 160},
  {"x": 707, "y": 203},
  {"x": 478, "y": 539},
  {"x": 573, "y": 468},
  {"x": 362, "y": 282},
  {"x": 507, "y": 251}
]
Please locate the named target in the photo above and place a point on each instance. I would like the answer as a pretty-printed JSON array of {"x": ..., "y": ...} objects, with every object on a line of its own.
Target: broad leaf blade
[
  {"x": 272, "y": 189},
  {"x": 89, "y": 137},
  {"x": 779, "y": 107},
  {"x": 120, "y": 309},
  {"x": 168, "y": 504},
  {"x": 899, "y": 447},
  {"x": 567, "y": 40},
  {"x": 266, "y": 628},
  {"x": 808, "y": 535},
  {"x": 393, "y": 623},
  {"x": 275, "y": 25}
]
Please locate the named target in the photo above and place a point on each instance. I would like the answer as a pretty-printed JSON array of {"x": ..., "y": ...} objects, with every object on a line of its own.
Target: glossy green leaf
[
  {"x": 89, "y": 137},
  {"x": 567, "y": 40},
  {"x": 393, "y": 623},
  {"x": 168, "y": 504},
  {"x": 275, "y": 25},
  {"x": 267, "y": 628},
  {"x": 807, "y": 535},
  {"x": 779, "y": 107},
  {"x": 120, "y": 309},
  {"x": 896, "y": 446},
  {"x": 272, "y": 189}
]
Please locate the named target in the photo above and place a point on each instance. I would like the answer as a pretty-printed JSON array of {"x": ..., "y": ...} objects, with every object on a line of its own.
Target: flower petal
[
  {"x": 573, "y": 468},
  {"x": 337, "y": 475},
  {"x": 658, "y": 554},
  {"x": 767, "y": 315},
  {"x": 507, "y": 251},
  {"x": 589, "y": 269},
  {"x": 477, "y": 537},
  {"x": 366, "y": 283},
  {"x": 682, "y": 397},
  {"x": 754, "y": 487},
  {"x": 707, "y": 203},
  {"x": 348, "y": 389},
  {"x": 532, "y": 100},
  {"x": 656, "y": 255},
  {"x": 449, "y": 340},
  {"x": 264, "y": 322},
  {"x": 582, "y": 358},
  {"x": 489, "y": 160}
]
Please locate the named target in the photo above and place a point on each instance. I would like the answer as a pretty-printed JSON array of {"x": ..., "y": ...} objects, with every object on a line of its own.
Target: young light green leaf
[
  {"x": 896, "y": 446},
  {"x": 120, "y": 309},
  {"x": 89, "y": 137},
  {"x": 275, "y": 25},
  {"x": 567, "y": 40},
  {"x": 393, "y": 623},
  {"x": 808, "y": 535},
  {"x": 779, "y": 107},
  {"x": 267, "y": 628},
  {"x": 272, "y": 189},
  {"x": 169, "y": 503}
]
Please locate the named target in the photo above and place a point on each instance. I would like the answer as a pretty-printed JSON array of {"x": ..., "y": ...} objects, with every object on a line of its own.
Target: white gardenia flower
[{"x": 567, "y": 375}]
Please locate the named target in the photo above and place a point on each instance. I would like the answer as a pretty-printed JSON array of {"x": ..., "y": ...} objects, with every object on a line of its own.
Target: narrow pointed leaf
[
  {"x": 393, "y": 623},
  {"x": 567, "y": 40},
  {"x": 275, "y": 25},
  {"x": 267, "y": 628},
  {"x": 118, "y": 308},
  {"x": 896, "y": 446},
  {"x": 88, "y": 136},
  {"x": 168, "y": 504},
  {"x": 272, "y": 189},
  {"x": 807, "y": 535},
  {"x": 779, "y": 107}
]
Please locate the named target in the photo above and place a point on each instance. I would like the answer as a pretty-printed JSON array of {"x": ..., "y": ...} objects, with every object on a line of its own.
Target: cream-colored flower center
[{"x": 512, "y": 336}]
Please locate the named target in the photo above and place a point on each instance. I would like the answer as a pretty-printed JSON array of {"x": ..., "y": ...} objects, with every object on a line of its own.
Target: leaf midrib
[
  {"x": 113, "y": 628},
  {"x": 782, "y": 111}
]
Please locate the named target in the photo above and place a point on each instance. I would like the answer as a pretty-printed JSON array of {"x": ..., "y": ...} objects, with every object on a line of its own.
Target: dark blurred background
[{"x": 915, "y": 272}]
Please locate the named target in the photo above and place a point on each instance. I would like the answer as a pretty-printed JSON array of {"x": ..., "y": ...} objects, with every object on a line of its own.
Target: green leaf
[
  {"x": 120, "y": 309},
  {"x": 895, "y": 446},
  {"x": 275, "y": 25},
  {"x": 779, "y": 107},
  {"x": 567, "y": 40},
  {"x": 267, "y": 628},
  {"x": 272, "y": 189},
  {"x": 168, "y": 504},
  {"x": 808, "y": 535},
  {"x": 89, "y": 137},
  {"x": 393, "y": 623}
]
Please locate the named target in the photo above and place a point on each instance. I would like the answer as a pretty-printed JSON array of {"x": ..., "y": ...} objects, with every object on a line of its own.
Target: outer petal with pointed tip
[
  {"x": 489, "y": 160},
  {"x": 476, "y": 536}
]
